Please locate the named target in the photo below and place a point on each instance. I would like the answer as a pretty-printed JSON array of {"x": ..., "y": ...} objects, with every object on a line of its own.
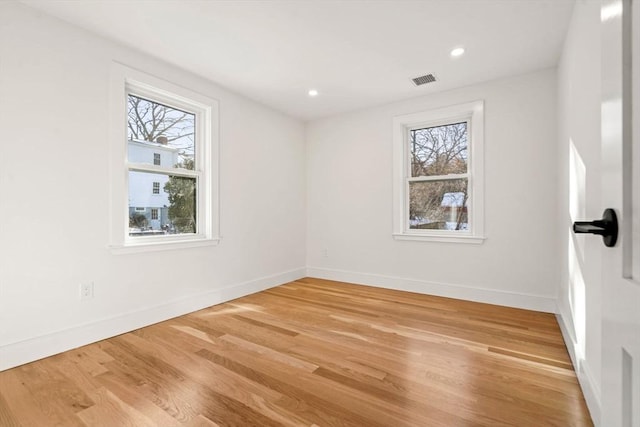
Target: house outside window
[
  {"x": 438, "y": 170},
  {"x": 155, "y": 124},
  {"x": 170, "y": 144}
]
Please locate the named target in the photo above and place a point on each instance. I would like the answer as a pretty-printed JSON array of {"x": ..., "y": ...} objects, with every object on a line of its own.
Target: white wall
[
  {"x": 579, "y": 93},
  {"x": 54, "y": 195},
  {"x": 350, "y": 202}
]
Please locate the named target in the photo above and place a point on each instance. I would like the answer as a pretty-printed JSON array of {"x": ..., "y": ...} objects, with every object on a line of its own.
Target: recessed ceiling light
[
  {"x": 459, "y": 51},
  {"x": 313, "y": 92}
]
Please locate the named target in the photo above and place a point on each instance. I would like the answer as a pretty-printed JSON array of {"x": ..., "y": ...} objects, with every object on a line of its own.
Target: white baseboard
[
  {"x": 29, "y": 350},
  {"x": 590, "y": 389},
  {"x": 489, "y": 296}
]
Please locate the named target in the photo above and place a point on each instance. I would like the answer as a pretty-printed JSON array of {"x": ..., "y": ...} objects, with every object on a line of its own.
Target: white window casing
[
  {"x": 125, "y": 81},
  {"x": 473, "y": 114}
]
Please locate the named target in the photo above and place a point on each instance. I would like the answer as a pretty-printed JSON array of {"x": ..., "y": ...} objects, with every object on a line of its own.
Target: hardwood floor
[{"x": 312, "y": 353}]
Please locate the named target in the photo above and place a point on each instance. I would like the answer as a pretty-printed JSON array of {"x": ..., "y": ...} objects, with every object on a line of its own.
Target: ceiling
[{"x": 356, "y": 53}]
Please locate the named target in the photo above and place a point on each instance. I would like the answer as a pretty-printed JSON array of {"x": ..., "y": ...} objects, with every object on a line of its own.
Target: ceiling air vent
[{"x": 423, "y": 80}]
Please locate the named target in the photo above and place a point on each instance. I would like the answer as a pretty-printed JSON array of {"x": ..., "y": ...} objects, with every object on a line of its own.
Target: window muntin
[
  {"x": 156, "y": 187},
  {"x": 154, "y": 213},
  {"x": 438, "y": 170},
  {"x": 156, "y": 159}
]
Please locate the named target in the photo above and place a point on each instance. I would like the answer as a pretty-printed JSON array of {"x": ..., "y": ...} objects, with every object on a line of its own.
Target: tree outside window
[
  {"x": 438, "y": 190},
  {"x": 165, "y": 127}
]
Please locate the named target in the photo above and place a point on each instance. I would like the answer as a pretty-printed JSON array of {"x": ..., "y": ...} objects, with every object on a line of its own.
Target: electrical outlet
[{"x": 86, "y": 291}]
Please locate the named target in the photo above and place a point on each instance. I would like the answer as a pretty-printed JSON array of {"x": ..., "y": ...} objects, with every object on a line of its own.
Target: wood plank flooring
[{"x": 311, "y": 353}]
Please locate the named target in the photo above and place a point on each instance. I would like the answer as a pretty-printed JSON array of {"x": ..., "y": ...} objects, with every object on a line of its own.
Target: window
[
  {"x": 161, "y": 122},
  {"x": 439, "y": 180},
  {"x": 169, "y": 142},
  {"x": 438, "y": 170}
]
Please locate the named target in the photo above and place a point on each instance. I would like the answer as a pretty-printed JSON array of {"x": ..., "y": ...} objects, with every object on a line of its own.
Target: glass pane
[
  {"x": 170, "y": 211},
  {"x": 439, "y": 150},
  {"x": 439, "y": 205},
  {"x": 159, "y": 134}
]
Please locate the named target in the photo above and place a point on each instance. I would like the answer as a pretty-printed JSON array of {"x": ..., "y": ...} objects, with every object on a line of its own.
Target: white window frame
[
  {"x": 154, "y": 212},
  {"x": 125, "y": 81},
  {"x": 157, "y": 158},
  {"x": 155, "y": 188},
  {"x": 473, "y": 114}
]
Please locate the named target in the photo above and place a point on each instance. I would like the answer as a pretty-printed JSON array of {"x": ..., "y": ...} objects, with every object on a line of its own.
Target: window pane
[
  {"x": 439, "y": 205},
  {"x": 159, "y": 134},
  {"x": 439, "y": 150},
  {"x": 172, "y": 211}
]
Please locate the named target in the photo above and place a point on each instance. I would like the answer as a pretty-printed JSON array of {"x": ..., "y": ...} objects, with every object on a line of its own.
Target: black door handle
[{"x": 607, "y": 227}]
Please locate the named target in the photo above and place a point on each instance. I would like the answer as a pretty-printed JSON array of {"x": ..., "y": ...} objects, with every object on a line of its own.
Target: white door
[{"x": 620, "y": 191}]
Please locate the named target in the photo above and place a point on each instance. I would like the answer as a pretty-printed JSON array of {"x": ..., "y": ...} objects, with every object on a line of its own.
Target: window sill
[
  {"x": 140, "y": 247},
  {"x": 443, "y": 238}
]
